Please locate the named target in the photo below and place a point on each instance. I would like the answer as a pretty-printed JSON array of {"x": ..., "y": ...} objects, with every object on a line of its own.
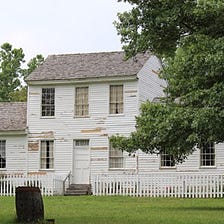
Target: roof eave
[
  {"x": 83, "y": 80},
  {"x": 13, "y": 132}
]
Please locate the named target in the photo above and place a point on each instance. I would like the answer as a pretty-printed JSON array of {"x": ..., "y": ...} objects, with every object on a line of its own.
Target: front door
[{"x": 81, "y": 162}]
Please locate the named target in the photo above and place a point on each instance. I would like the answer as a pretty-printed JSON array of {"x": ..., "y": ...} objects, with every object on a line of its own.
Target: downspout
[
  {"x": 137, "y": 161},
  {"x": 27, "y": 131},
  {"x": 27, "y": 159}
]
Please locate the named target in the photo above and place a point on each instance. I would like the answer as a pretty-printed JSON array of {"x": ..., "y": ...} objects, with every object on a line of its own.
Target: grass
[{"x": 124, "y": 210}]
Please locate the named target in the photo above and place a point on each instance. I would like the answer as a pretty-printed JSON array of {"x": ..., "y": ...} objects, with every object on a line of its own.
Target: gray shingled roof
[
  {"x": 13, "y": 116},
  {"x": 87, "y": 65}
]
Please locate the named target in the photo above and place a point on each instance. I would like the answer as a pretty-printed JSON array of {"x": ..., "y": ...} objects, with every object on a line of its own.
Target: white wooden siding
[
  {"x": 151, "y": 163},
  {"x": 97, "y": 127},
  {"x": 150, "y": 85},
  {"x": 15, "y": 153}
]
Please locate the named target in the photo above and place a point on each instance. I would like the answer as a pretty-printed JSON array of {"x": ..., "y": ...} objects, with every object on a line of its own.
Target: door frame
[{"x": 74, "y": 158}]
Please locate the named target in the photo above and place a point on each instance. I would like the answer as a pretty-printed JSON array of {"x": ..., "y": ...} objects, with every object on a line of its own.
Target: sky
[{"x": 60, "y": 26}]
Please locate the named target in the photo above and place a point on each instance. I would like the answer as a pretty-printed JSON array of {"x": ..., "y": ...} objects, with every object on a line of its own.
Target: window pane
[
  {"x": 81, "y": 142},
  {"x": 2, "y": 154},
  {"x": 116, "y": 99},
  {"x": 48, "y": 102},
  {"x": 207, "y": 154},
  {"x": 47, "y": 154},
  {"x": 116, "y": 159},
  {"x": 167, "y": 160},
  {"x": 81, "y": 101}
]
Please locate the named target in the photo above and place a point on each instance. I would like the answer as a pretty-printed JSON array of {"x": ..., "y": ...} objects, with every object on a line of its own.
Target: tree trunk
[{"x": 29, "y": 204}]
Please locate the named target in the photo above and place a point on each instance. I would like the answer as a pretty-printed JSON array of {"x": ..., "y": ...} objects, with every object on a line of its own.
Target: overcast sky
[{"x": 60, "y": 26}]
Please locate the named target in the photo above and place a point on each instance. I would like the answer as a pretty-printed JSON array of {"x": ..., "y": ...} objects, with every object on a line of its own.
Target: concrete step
[
  {"x": 78, "y": 189},
  {"x": 79, "y": 186}
]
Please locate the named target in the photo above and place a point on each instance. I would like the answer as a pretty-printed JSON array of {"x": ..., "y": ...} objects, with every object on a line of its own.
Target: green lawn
[{"x": 122, "y": 210}]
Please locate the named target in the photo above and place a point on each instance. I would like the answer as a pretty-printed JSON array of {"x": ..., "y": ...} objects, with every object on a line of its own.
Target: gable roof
[
  {"x": 13, "y": 116},
  {"x": 87, "y": 65}
]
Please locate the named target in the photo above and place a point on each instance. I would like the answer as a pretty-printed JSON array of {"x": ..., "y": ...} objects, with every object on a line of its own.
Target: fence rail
[
  {"x": 48, "y": 184},
  {"x": 181, "y": 185}
]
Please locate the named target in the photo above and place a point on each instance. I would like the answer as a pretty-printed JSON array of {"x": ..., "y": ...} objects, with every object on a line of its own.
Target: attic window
[
  {"x": 48, "y": 102},
  {"x": 116, "y": 99}
]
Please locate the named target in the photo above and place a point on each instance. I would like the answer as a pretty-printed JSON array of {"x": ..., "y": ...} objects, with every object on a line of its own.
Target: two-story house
[{"x": 75, "y": 103}]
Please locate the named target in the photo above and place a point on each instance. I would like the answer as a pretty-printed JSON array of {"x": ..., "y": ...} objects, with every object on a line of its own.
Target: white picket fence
[
  {"x": 181, "y": 185},
  {"x": 48, "y": 184}
]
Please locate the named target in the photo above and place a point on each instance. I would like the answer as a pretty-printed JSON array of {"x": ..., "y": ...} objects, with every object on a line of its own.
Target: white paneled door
[{"x": 81, "y": 162}]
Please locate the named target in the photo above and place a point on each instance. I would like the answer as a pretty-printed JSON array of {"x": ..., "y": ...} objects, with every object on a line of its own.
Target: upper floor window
[
  {"x": 47, "y": 154},
  {"x": 48, "y": 102},
  {"x": 2, "y": 154},
  {"x": 116, "y": 99},
  {"x": 116, "y": 158},
  {"x": 81, "y": 101},
  {"x": 207, "y": 154},
  {"x": 166, "y": 160}
]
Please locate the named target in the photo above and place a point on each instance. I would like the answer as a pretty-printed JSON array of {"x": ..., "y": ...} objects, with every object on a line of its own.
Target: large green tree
[
  {"x": 189, "y": 37},
  {"x": 10, "y": 70},
  {"x": 12, "y": 73}
]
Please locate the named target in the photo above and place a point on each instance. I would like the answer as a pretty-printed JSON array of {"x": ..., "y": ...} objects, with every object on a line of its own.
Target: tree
[
  {"x": 10, "y": 70},
  {"x": 189, "y": 37},
  {"x": 20, "y": 94},
  {"x": 12, "y": 74},
  {"x": 33, "y": 64},
  {"x": 161, "y": 25}
]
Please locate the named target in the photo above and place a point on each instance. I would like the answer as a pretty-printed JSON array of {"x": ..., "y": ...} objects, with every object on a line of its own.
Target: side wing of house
[
  {"x": 13, "y": 139},
  {"x": 209, "y": 158},
  {"x": 12, "y": 153}
]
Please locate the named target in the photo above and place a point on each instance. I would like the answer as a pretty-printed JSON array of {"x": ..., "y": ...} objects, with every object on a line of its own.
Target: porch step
[{"x": 78, "y": 189}]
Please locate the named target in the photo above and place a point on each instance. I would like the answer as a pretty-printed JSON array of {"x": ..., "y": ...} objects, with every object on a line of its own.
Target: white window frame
[
  {"x": 116, "y": 103},
  {"x": 51, "y": 167},
  {"x": 48, "y": 109},
  {"x": 168, "y": 159},
  {"x": 3, "y": 144},
  {"x": 84, "y": 112},
  {"x": 206, "y": 159},
  {"x": 112, "y": 156}
]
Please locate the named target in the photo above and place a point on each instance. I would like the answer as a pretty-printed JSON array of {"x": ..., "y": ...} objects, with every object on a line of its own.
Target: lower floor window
[
  {"x": 47, "y": 154},
  {"x": 116, "y": 159},
  {"x": 207, "y": 154},
  {"x": 2, "y": 154},
  {"x": 167, "y": 160}
]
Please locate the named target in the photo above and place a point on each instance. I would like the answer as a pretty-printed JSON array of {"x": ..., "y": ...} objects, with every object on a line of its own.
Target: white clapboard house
[{"x": 75, "y": 103}]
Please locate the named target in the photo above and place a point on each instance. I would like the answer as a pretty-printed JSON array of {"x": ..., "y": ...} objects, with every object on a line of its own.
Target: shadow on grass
[{"x": 200, "y": 208}]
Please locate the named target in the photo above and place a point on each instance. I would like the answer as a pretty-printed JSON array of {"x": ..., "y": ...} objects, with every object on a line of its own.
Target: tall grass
[{"x": 127, "y": 210}]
